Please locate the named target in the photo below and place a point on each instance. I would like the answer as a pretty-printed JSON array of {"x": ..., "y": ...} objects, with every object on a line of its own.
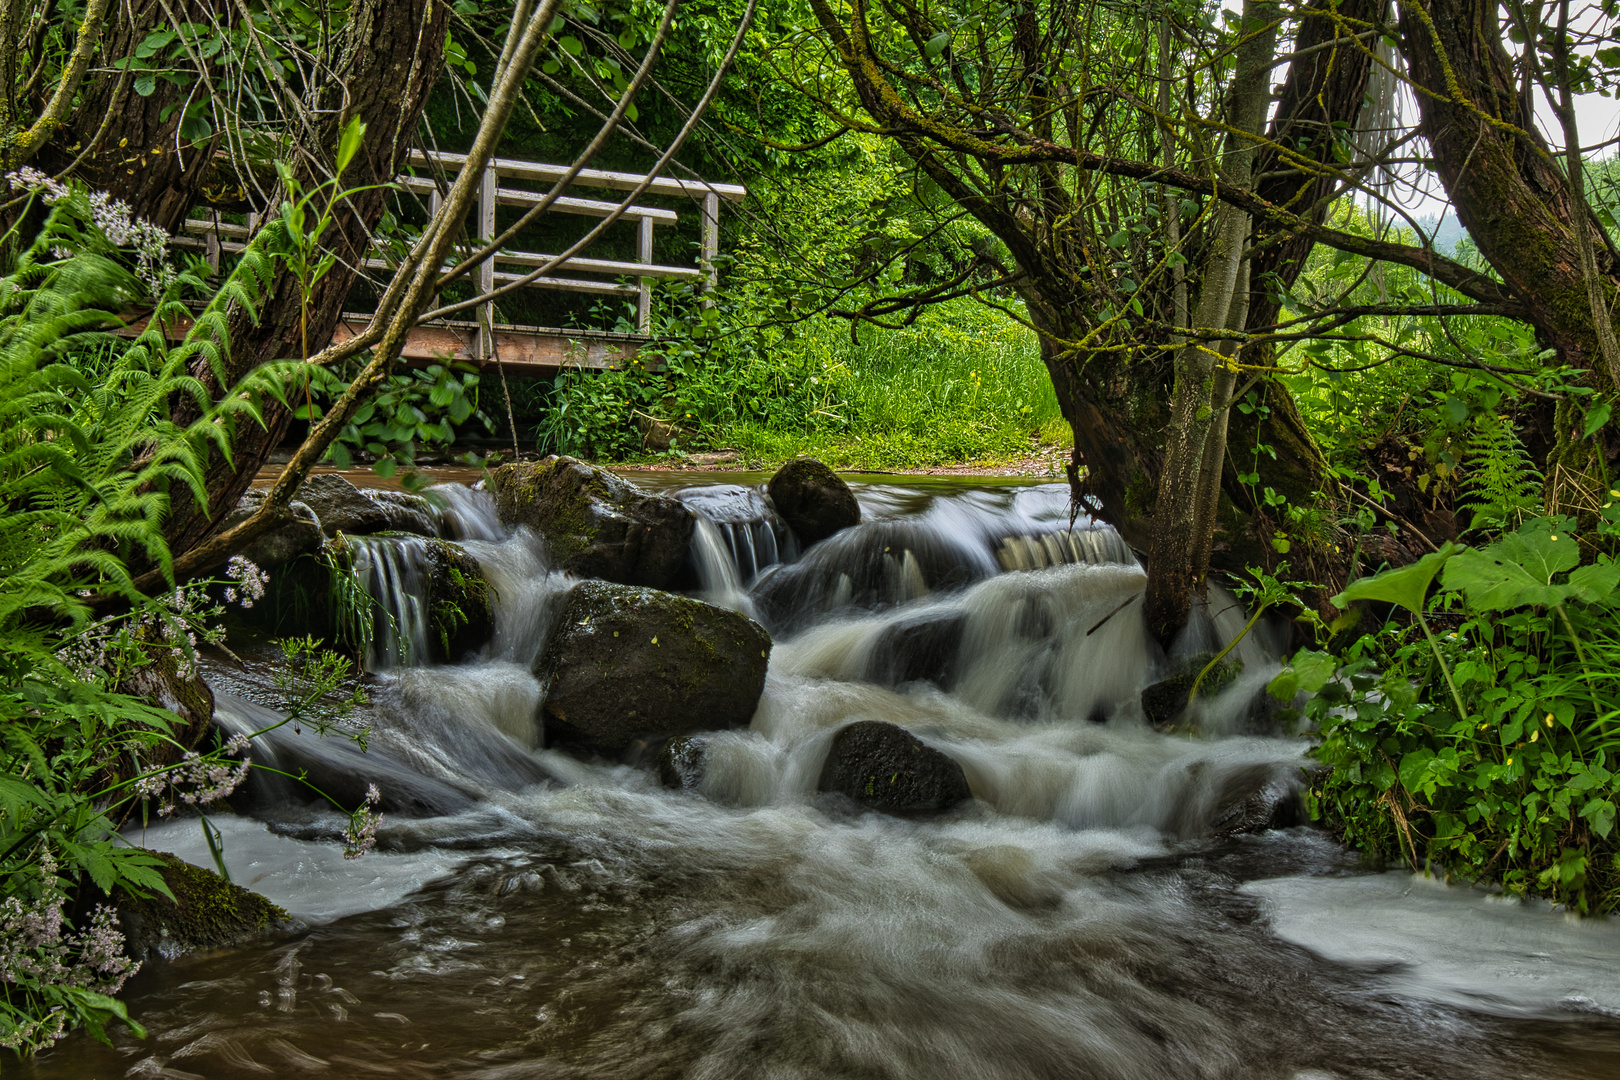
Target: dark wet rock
[
  {"x": 460, "y": 609},
  {"x": 406, "y": 512},
  {"x": 813, "y": 500},
  {"x": 1255, "y": 799},
  {"x": 885, "y": 767},
  {"x": 626, "y": 662},
  {"x": 682, "y": 761},
  {"x": 343, "y": 508},
  {"x": 923, "y": 648},
  {"x": 595, "y": 524},
  {"x": 296, "y": 531},
  {"x": 207, "y": 912},
  {"x": 1163, "y": 702}
]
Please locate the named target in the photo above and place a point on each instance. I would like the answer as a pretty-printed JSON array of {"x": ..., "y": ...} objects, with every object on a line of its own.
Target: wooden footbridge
[{"x": 531, "y": 350}]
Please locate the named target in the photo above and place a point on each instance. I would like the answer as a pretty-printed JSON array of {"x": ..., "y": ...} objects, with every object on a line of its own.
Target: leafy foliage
[{"x": 1511, "y": 773}]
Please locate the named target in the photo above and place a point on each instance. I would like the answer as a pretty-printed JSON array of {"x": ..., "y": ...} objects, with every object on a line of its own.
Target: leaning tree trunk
[
  {"x": 131, "y": 143},
  {"x": 388, "y": 61},
  {"x": 1512, "y": 197}
]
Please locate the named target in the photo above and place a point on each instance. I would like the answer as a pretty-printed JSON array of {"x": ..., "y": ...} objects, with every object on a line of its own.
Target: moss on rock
[
  {"x": 594, "y": 523},
  {"x": 628, "y": 662},
  {"x": 461, "y": 610},
  {"x": 1163, "y": 702},
  {"x": 207, "y": 912}
]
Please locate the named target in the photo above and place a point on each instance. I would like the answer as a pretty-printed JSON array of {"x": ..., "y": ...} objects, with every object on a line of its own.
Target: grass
[{"x": 964, "y": 385}]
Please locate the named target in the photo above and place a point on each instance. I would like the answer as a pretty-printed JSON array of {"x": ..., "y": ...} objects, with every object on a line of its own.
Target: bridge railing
[{"x": 482, "y": 338}]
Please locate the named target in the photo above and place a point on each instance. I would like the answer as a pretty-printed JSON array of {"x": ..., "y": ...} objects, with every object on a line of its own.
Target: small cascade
[
  {"x": 392, "y": 571},
  {"x": 900, "y": 555},
  {"x": 465, "y": 513},
  {"x": 739, "y": 535}
]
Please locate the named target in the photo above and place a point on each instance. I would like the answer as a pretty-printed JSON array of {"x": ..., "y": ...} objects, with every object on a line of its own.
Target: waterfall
[
  {"x": 392, "y": 571},
  {"x": 465, "y": 513}
]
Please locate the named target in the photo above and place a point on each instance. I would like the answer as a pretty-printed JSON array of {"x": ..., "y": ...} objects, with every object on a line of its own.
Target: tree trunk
[
  {"x": 139, "y": 157},
  {"x": 1195, "y": 446},
  {"x": 390, "y": 57},
  {"x": 1512, "y": 197}
]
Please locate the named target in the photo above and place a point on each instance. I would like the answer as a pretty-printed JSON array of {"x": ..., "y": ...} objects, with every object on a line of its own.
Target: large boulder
[
  {"x": 461, "y": 614},
  {"x": 343, "y": 508},
  {"x": 207, "y": 912},
  {"x": 884, "y": 767},
  {"x": 296, "y": 531},
  {"x": 813, "y": 500},
  {"x": 627, "y": 662},
  {"x": 595, "y": 524}
]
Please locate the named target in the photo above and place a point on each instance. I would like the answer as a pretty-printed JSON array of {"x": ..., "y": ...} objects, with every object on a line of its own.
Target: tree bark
[{"x": 388, "y": 60}]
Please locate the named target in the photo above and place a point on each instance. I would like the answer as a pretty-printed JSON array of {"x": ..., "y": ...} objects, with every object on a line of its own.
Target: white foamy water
[
  {"x": 313, "y": 881},
  {"x": 1456, "y": 944}
]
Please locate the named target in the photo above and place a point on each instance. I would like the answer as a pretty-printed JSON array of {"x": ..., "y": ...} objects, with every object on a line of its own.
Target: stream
[{"x": 531, "y": 915}]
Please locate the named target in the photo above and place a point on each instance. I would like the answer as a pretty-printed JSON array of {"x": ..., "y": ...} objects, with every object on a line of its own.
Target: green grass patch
[{"x": 962, "y": 385}]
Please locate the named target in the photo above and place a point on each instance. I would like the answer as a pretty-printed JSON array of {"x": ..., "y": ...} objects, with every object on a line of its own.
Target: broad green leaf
[
  {"x": 1406, "y": 586},
  {"x": 1595, "y": 583},
  {"x": 936, "y": 44},
  {"x": 1596, "y": 417},
  {"x": 1518, "y": 570}
]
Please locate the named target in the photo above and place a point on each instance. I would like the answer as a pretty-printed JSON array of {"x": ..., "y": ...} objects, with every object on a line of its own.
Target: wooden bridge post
[
  {"x": 644, "y": 253},
  {"x": 710, "y": 243},
  {"x": 486, "y": 269}
]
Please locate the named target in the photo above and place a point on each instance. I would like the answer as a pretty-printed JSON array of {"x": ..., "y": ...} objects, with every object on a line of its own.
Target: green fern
[
  {"x": 1502, "y": 486},
  {"x": 89, "y": 453}
]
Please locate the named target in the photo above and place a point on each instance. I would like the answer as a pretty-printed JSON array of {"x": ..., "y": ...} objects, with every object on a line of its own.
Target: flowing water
[{"x": 528, "y": 914}]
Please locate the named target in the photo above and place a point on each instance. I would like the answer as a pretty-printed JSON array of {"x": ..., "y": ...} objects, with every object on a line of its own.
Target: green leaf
[
  {"x": 1600, "y": 812},
  {"x": 571, "y": 45},
  {"x": 1518, "y": 570},
  {"x": 354, "y": 134},
  {"x": 1406, "y": 586},
  {"x": 936, "y": 44},
  {"x": 1596, "y": 583},
  {"x": 1414, "y": 770},
  {"x": 1596, "y": 417}
]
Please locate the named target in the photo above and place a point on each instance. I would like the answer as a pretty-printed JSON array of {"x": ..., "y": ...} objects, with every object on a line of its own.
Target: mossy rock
[
  {"x": 341, "y": 507},
  {"x": 207, "y": 912},
  {"x": 461, "y": 610},
  {"x": 813, "y": 500},
  {"x": 595, "y": 524},
  {"x": 626, "y": 663},
  {"x": 1163, "y": 702},
  {"x": 297, "y": 531},
  {"x": 885, "y": 767}
]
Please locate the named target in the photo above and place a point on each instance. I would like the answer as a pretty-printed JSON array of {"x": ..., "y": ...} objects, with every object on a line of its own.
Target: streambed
[{"x": 546, "y": 917}]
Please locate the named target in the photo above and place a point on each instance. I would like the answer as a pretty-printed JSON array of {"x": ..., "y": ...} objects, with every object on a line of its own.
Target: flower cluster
[
  {"x": 117, "y": 223},
  {"x": 35, "y": 951},
  {"x": 177, "y": 622},
  {"x": 250, "y": 581},
  {"x": 361, "y": 835},
  {"x": 198, "y": 780}
]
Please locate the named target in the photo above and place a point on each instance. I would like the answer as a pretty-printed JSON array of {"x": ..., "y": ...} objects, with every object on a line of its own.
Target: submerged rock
[
  {"x": 1163, "y": 702},
  {"x": 682, "y": 761},
  {"x": 297, "y": 530},
  {"x": 883, "y": 766},
  {"x": 813, "y": 500},
  {"x": 626, "y": 662},
  {"x": 1255, "y": 799},
  {"x": 595, "y": 524},
  {"x": 460, "y": 611},
  {"x": 207, "y": 912},
  {"x": 921, "y": 648},
  {"x": 343, "y": 508}
]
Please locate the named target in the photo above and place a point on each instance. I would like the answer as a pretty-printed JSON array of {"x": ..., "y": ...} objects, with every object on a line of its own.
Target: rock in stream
[{"x": 627, "y": 662}]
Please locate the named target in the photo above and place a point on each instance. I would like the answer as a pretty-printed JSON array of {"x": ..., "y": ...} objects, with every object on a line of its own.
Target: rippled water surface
[{"x": 531, "y": 915}]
